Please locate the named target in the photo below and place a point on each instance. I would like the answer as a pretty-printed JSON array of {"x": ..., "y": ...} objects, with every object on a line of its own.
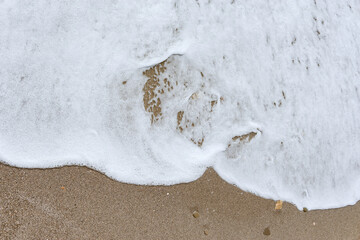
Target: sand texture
[{"x": 80, "y": 203}]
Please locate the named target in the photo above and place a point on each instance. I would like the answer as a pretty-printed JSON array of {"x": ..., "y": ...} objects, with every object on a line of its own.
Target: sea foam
[{"x": 265, "y": 92}]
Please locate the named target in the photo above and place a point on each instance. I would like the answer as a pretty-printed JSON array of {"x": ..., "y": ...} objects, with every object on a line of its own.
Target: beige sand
[{"x": 79, "y": 203}]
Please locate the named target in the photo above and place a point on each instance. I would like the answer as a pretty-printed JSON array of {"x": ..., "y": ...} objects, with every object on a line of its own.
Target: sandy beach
[
  {"x": 80, "y": 203},
  {"x": 265, "y": 94}
]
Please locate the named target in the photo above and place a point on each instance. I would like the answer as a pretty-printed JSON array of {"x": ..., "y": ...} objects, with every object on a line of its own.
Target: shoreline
[{"x": 75, "y": 202}]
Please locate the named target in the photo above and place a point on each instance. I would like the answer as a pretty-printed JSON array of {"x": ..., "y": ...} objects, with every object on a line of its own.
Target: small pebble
[
  {"x": 305, "y": 209},
  {"x": 278, "y": 205},
  {"x": 206, "y": 232},
  {"x": 196, "y": 214},
  {"x": 266, "y": 231}
]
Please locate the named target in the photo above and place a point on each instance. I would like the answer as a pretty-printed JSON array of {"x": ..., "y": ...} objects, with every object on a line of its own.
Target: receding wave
[{"x": 155, "y": 92}]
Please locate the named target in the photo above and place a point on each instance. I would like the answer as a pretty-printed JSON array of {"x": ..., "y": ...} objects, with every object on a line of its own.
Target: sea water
[{"x": 154, "y": 92}]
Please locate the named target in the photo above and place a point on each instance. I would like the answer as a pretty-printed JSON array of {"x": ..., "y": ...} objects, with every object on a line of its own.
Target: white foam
[{"x": 287, "y": 71}]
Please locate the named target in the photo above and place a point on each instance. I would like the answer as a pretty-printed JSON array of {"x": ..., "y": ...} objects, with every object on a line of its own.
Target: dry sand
[{"x": 79, "y": 203}]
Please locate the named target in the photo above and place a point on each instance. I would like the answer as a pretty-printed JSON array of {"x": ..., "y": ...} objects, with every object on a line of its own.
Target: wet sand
[{"x": 80, "y": 203}]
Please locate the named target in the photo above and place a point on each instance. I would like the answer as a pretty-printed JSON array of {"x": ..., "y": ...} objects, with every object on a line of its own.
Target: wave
[{"x": 154, "y": 93}]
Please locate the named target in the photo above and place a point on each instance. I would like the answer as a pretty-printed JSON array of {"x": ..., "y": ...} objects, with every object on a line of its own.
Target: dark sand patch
[{"x": 165, "y": 82}]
